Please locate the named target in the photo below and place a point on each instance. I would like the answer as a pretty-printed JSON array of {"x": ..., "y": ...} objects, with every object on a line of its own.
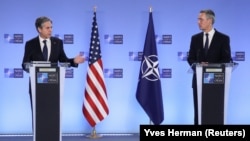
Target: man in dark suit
[
  {"x": 218, "y": 49},
  {"x": 54, "y": 53}
]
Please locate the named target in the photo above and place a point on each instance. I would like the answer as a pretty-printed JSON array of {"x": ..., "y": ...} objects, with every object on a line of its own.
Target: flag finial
[
  {"x": 150, "y": 9},
  {"x": 95, "y": 8}
]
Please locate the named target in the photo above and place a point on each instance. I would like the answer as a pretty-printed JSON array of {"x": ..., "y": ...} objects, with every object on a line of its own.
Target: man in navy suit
[
  {"x": 218, "y": 49},
  {"x": 54, "y": 48}
]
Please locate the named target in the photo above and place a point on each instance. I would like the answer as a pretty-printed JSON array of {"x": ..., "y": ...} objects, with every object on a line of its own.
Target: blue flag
[{"x": 149, "y": 94}]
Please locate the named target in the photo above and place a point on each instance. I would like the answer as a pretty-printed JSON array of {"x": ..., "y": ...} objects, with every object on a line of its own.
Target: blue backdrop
[{"x": 175, "y": 18}]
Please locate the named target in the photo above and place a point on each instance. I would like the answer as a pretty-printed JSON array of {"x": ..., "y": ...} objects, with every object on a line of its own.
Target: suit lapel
[
  {"x": 200, "y": 43},
  {"x": 52, "y": 49},
  {"x": 213, "y": 41},
  {"x": 38, "y": 48}
]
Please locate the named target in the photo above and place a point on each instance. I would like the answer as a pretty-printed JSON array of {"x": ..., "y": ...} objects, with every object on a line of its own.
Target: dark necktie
[
  {"x": 206, "y": 44},
  {"x": 45, "y": 50}
]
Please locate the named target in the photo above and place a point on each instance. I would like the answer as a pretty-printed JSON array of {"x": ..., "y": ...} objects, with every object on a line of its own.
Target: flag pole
[
  {"x": 154, "y": 109},
  {"x": 93, "y": 134},
  {"x": 150, "y": 121},
  {"x": 150, "y": 11}
]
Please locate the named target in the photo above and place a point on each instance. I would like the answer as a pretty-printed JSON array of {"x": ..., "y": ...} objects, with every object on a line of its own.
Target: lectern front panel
[
  {"x": 47, "y": 104},
  {"x": 212, "y": 101}
]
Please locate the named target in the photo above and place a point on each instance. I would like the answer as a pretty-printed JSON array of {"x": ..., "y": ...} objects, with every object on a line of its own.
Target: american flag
[{"x": 95, "y": 106}]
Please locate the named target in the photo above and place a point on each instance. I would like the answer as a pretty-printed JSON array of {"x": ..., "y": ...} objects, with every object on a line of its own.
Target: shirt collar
[
  {"x": 211, "y": 32},
  {"x": 41, "y": 39}
]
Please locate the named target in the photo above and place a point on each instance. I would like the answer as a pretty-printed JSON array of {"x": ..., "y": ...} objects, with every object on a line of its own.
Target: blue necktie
[
  {"x": 45, "y": 51},
  {"x": 206, "y": 44}
]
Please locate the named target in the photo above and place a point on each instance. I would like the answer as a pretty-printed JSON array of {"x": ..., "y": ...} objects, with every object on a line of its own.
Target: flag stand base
[{"x": 94, "y": 135}]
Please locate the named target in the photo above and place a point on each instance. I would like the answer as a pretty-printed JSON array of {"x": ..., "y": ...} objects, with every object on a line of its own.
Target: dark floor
[{"x": 113, "y": 137}]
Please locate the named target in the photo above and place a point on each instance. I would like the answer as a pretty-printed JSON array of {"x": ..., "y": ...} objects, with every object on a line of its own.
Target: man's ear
[{"x": 39, "y": 29}]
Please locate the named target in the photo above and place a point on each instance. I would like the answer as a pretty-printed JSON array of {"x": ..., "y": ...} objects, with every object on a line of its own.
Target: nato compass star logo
[
  {"x": 208, "y": 78},
  {"x": 42, "y": 77},
  {"x": 149, "y": 68}
]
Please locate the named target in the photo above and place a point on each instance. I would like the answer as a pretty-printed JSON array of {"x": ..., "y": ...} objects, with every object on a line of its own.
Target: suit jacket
[
  {"x": 33, "y": 52},
  {"x": 219, "y": 50}
]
